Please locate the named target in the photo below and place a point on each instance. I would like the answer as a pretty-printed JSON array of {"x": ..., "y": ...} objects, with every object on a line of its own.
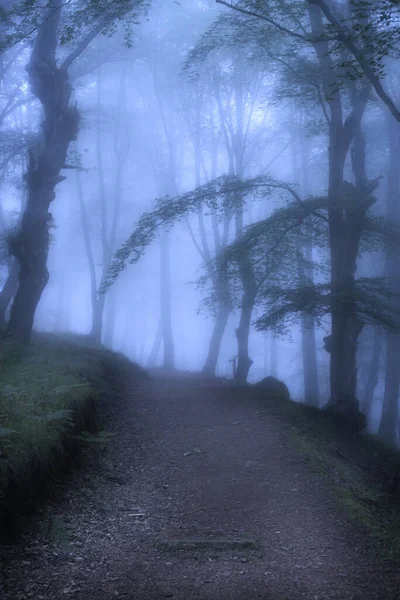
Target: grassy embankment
[
  {"x": 49, "y": 393},
  {"x": 362, "y": 471}
]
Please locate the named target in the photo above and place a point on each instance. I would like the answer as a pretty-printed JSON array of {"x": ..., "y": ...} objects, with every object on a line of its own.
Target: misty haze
[{"x": 199, "y": 299}]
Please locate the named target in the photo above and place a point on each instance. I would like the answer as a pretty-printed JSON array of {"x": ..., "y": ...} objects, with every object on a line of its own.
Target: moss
[{"x": 49, "y": 392}]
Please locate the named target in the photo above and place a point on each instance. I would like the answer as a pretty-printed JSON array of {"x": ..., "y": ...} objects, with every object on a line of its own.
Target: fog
[{"x": 186, "y": 95}]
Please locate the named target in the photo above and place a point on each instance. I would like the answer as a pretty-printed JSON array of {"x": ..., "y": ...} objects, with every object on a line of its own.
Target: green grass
[
  {"x": 48, "y": 395},
  {"x": 358, "y": 468}
]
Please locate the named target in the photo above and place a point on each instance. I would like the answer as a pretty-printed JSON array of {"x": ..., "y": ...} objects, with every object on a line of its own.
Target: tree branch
[
  {"x": 367, "y": 70},
  {"x": 251, "y": 13}
]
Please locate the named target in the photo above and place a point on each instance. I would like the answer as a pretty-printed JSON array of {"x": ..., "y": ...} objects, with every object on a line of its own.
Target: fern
[{"x": 5, "y": 432}]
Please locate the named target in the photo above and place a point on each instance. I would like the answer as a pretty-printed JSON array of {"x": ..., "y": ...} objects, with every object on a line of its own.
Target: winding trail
[{"x": 196, "y": 459}]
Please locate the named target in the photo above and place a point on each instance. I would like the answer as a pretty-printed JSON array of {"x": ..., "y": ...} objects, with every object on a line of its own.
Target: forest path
[{"x": 193, "y": 459}]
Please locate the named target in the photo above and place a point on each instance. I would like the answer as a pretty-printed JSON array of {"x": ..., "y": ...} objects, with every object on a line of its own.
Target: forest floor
[{"x": 194, "y": 459}]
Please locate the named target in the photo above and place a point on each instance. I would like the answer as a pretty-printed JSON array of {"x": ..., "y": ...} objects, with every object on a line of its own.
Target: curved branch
[
  {"x": 366, "y": 69},
  {"x": 251, "y": 13}
]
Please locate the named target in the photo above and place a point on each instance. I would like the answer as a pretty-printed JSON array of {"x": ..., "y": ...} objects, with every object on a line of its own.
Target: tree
[
  {"x": 50, "y": 84},
  {"x": 203, "y": 123},
  {"x": 388, "y": 427},
  {"x": 236, "y": 90},
  {"x": 368, "y": 31},
  {"x": 304, "y": 256},
  {"x": 306, "y": 29}
]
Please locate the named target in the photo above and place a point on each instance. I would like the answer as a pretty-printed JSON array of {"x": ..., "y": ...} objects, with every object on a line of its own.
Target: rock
[{"x": 273, "y": 386}]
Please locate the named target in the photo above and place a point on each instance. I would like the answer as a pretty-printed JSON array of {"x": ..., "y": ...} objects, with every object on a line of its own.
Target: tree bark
[
  {"x": 110, "y": 313},
  {"x": 310, "y": 368},
  {"x": 219, "y": 327},
  {"x": 97, "y": 301},
  {"x": 273, "y": 368},
  {"x": 165, "y": 304},
  {"x": 347, "y": 208},
  {"x": 305, "y": 273},
  {"x": 51, "y": 86},
  {"x": 9, "y": 290},
  {"x": 373, "y": 372},
  {"x": 245, "y": 266},
  {"x": 244, "y": 361},
  {"x": 388, "y": 428}
]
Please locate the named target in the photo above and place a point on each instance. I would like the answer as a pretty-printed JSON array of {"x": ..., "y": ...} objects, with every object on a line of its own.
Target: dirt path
[{"x": 195, "y": 460}]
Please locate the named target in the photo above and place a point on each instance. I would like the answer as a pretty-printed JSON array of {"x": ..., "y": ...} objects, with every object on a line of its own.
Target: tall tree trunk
[
  {"x": 109, "y": 226},
  {"x": 390, "y": 409},
  {"x": 310, "y": 368},
  {"x": 388, "y": 426},
  {"x": 244, "y": 361},
  {"x": 97, "y": 300},
  {"x": 9, "y": 290},
  {"x": 307, "y": 322},
  {"x": 30, "y": 246},
  {"x": 347, "y": 209},
  {"x": 165, "y": 303},
  {"x": 220, "y": 287},
  {"x": 274, "y": 356},
  {"x": 155, "y": 348},
  {"x": 305, "y": 271},
  {"x": 62, "y": 315},
  {"x": 110, "y": 314},
  {"x": 373, "y": 372},
  {"x": 218, "y": 331}
]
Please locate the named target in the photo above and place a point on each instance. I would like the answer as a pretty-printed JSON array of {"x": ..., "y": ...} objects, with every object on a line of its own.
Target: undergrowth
[
  {"x": 48, "y": 418},
  {"x": 358, "y": 467}
]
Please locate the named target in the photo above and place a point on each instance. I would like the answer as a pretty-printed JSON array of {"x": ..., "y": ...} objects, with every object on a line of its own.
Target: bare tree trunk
[
  {"x": 121, "y": 151},
  {"x": 110, "y": 313},
  {"x": 388, "y": 426},
  {"x": 155, "y": 348},
  {"x": 97, "y": 300},
  {"x": 170, "y": 186},
  {"x": 245, "y": 266},
  {"x": 306, "y": 275},
  {"x": 373, "y": 372},
  {"x": 220, "y": 287},
  {"x": 242, "y": 335},
  {"x": 308, "y": 342},
  {"x": 274, "y": 356},
  {"x": 219, "y": 327},
  {"x": 165, "y": 303}
]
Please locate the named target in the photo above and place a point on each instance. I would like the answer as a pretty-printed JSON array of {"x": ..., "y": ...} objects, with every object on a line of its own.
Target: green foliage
[
  {"x": 372, "y": 302},
  {"x": 5, "y": 432},
  {"x": 48, "y": 416},
  {"x": 79, "y": 18},
  {"x": 221, "y": 195},
  {"x": 283, "y": 296},
  {"x": 40, "y": 391}
]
